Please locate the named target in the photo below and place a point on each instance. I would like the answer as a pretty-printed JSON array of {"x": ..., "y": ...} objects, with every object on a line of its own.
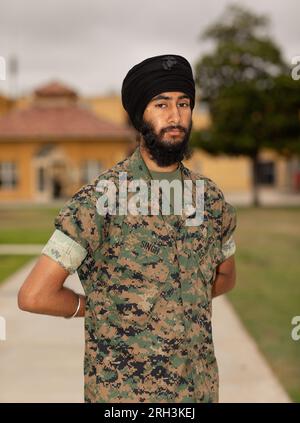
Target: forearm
[
  {"x": 63, "y": 302},
  {"x": 222, "y": 284}
]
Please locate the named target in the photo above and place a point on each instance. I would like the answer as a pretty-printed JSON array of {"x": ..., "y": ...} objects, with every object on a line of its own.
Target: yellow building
[
  {"x": 5, "y": 104},
  {"x": 53, "y": 144}
]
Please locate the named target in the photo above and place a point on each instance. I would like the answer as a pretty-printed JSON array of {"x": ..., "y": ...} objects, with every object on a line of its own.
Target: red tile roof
[
  {"x": 56, "y": 113},
  {"x": 66, "y": 121},
  {"x": 55, "y": 89}
]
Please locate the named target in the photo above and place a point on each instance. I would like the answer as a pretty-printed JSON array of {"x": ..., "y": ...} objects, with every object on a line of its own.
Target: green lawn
[
  {"x": 267, "y": 293},
  {"x": 30, "y": 225},
  {"x": 10, "y": 264},
  {"x": 23, "y": 225}
]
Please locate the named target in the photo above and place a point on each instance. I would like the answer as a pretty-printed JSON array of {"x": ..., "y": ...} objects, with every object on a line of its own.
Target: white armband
[
  {"x": 63, "y": 249},
  {"x": 228, "y": 248}
]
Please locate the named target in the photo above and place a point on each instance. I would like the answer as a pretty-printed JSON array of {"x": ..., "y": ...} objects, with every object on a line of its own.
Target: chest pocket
[{"x": 138, "y": 276}]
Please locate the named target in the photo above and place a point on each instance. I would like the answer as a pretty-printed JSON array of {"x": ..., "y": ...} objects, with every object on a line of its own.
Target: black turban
[{"x": 153, "y": 76}]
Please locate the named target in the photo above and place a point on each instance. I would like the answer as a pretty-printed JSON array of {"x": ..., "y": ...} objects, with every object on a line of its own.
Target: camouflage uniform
[{"x": 147, "y": 280}]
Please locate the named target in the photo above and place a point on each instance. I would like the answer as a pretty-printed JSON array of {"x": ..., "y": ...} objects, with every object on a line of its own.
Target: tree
[{"x": 251, "y": 97}]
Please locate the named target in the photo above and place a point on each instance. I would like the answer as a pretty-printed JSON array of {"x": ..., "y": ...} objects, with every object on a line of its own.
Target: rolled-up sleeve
[
  {"x": 65, "y": 251},
  {"x": 69, "y": 242},
  {"x": 229, "y": 222},
  {"x": 228, "y": 248}
]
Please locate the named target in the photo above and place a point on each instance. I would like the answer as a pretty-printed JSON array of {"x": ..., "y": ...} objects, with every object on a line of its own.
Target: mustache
[{"x": 171, "y": 128}]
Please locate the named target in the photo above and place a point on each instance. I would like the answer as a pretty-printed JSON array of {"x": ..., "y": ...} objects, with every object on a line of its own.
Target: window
[
  {"x": 266, "y": 173},
  {"x": 90, "y": 170},
  {"x": 8, "y": 175},
  {"x": 41, "y": 179}
]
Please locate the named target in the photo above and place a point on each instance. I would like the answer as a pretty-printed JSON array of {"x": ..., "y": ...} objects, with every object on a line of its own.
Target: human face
[
  {"x": 166, "y": 128},
  {"x": 169, "y": 113}
]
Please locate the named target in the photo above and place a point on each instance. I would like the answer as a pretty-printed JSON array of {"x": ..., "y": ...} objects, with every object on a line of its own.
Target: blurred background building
[{"x": 54, "y": 141}]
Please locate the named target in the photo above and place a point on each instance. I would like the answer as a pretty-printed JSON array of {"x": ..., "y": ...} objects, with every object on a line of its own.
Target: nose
[{"x": 174, "y": 115}]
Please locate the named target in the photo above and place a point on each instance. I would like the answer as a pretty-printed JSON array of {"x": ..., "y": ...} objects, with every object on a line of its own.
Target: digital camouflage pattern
[{"x": 148, "y": 280}]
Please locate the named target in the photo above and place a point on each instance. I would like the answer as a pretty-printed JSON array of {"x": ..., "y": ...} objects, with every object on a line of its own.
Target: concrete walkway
[
  {"x": 42, "y": 356},
  {"x": 21, "y": 249},
  {"x": 245, "y": 375},
  {"x": 267, "y": 197}
]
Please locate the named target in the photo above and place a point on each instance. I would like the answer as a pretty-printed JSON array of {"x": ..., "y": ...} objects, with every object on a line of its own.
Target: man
[{"x": 149, "y": 279}]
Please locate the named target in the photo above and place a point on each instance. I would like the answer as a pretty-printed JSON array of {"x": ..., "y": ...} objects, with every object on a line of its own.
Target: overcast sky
[{"x": 91, "y": 44}]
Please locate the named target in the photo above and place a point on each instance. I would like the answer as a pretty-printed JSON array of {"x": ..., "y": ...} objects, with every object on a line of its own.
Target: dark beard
[{"x": 165, "y": 153}]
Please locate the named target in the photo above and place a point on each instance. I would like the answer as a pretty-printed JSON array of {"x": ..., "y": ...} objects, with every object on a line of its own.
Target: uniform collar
[{"x": 139, "y": 170}]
